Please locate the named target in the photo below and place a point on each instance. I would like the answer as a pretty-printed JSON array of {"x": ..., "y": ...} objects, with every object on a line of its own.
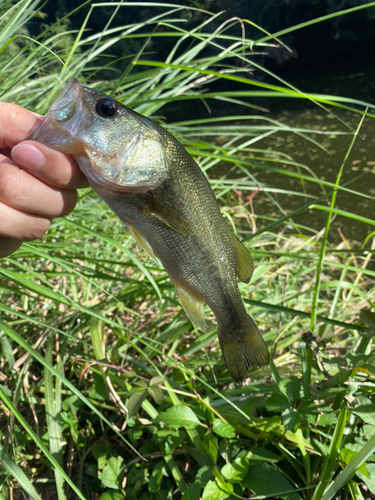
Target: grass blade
[
  {"x": 345, "y": 475},
  {"x": 330, "y": 464},
  {"x": 18, "y": 474}
]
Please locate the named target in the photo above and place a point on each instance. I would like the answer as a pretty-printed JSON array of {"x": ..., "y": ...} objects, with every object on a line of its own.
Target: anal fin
[
  {"x": 245, "y": 263},
  {"x": 193, "y": 308}
]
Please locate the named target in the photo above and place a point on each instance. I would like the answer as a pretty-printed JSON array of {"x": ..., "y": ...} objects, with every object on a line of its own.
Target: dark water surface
[{"x": 358, "y": 82}]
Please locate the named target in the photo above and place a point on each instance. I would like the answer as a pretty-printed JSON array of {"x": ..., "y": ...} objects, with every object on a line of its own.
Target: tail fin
[{"x": 243, "y": 349}]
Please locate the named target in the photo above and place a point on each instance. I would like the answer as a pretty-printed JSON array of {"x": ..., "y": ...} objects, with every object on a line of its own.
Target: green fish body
[{"x": 154, "y": 186}]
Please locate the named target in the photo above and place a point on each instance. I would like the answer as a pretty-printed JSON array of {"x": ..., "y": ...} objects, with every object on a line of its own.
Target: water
[{"x": 355, "y": 82}]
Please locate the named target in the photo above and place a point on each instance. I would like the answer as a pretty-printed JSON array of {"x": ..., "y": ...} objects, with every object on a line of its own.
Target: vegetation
[{"x": 105, "y": 387}]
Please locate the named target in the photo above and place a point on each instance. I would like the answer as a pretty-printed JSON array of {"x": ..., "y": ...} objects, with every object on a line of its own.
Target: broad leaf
[
  {"x": 222, "y": 429},
  {"x": 213, "y": 492},
  {"x": 277, "y": 402},
  {"x": 263, "y": 479},
  {"x": 291, "y": 387},
  {"x": 365, "y": 410},
  {"x": 156, "y": 478},
  {"x": 369, "y": 480},
  {"x": 110, "y": 472},
  {"x": 135, "y": 402},
  {"x": 211, "y": 445},
  {"x": 235, "y": 471},
  {"x": 193, "y": 492},
  {"x": 111, "y": 495},
  {"x": 291, "y": 419},
  {"x": 347, "y": 456},
  {"x": 179, "y": 416},
  {"x": 262, "y": 455}
]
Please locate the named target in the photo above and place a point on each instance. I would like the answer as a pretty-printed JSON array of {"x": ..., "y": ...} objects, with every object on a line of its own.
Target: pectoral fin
[
  {"x": 245, "y": 265},
  {"x": 169, "y": 215},
  {"x": 193, "y": 308},
  {"x": 142, "y": 242}
]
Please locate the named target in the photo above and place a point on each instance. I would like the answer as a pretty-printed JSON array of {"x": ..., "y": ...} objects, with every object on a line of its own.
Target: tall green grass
[{"x": 105, "y": 386}]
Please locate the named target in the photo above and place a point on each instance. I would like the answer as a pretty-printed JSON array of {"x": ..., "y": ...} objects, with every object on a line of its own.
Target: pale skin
[{"x": 37, "y": 183}]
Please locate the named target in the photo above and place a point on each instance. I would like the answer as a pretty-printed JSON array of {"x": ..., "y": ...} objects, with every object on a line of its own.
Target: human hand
[{"x": 37, "y": 183}]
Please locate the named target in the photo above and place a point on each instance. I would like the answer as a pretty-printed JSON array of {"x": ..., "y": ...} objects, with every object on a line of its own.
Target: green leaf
[
  {"x": 156, "y": 394},
  {"x": 157, "y": 380},
  {"x": 347, "y": 456},
  {"x": 365, "y": 410},
  {"x": 327, "y": 419},
  {"x": 179, "y": 416},
  {"x": 262, "y": 455},
  {"x": 18, "y": 474},
  {"x": 355, "y": 491},
  {"x": 17, "y": 338},
  {"x": 222, "y": 429},
  {"x": 204, "y": 474},
  {"x": 213, "y": 492},
  {"x": 263, "y": 479},
  {"x": 37, "y": 440},
  {"x": 308, "y": 411},
  {"x": 369, "y": 480},
  {"x": 98, "y": 390},
  {"x": 347, "y": 473},
  {"x": 229, "y": 448},
  {"x": 100, "y": 449},
  {"x": 211, "y": 445},
  {"x": 53, "y": 407},
  {"x": 320, "y": 447},
  {"x": 91, "y": 469},
  {"x": 277, "y": 402},
  {"x": 235, "y": 472},
  {"x": 110, "y": 472},
  {"x": 290, "y": 387},
  {"x": 193, "y": 492},
  {"x": 291, "y": 419},
  {"x": 356, "y": 447},
  {"x": 367, "y": 317},
  {"x": 330, "y": 460},
  {"x": 170, "y": 439},
  {"x": 6, "y": 350},
  {"x": 156, "y": 477},
  {"x": 135, "y": 402},
  {"x": 72, "y": 402},
  {"x": 111, "y": 495}
]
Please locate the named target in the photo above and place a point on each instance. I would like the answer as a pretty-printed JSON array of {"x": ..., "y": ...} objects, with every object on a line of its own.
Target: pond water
[{"x": 358, "y": 82}]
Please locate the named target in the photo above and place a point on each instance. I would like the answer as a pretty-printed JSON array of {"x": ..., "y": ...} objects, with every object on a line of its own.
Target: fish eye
[{"x": 106, "y": 107}]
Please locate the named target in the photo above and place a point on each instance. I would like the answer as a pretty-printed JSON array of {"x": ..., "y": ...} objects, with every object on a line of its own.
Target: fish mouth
[{"x": 66, "y": 117}]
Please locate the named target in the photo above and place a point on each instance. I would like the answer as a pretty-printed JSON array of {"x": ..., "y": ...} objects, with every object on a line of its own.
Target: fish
[{"x": 155, "y": 187}]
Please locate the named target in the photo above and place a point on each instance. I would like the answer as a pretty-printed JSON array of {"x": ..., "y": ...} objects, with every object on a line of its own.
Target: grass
[{"x": 105, "y": 386}]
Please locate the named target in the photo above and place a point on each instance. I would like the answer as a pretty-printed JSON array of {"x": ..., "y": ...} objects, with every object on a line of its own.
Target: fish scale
[{"x": 154, "y": 186}]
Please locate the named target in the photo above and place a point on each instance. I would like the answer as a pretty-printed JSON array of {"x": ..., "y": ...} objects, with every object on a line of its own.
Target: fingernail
[{"x": 28, "y": 156}]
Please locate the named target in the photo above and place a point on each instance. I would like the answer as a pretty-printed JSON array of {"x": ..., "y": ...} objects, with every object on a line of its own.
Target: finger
[
  {"x": 8, "y": 246},
  {"x": 16, "y": 124},
  {"x": 21, "y": 226},
  {"x": 22, "y": 191},
  {"x": 54, "y": 168}
]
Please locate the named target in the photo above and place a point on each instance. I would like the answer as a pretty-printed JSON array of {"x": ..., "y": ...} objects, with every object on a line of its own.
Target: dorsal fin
[
  {"x": 193, "y": 308},
  {"x": 245, "y": 265}
]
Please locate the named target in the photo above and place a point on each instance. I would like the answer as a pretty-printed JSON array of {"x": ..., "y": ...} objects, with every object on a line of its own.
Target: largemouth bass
[{"x": 154, "y": 186}]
